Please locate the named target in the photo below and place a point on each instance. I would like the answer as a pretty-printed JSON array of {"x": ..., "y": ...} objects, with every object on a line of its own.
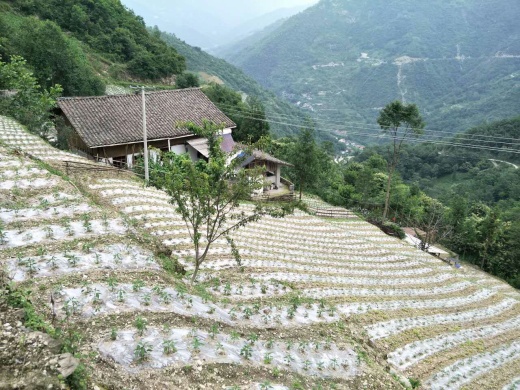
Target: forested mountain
[
  {"x": 214, "y": 69},
  {"x": 343, "y": 60},
  {"x": 79, "y": 44},
  {"x": 85, "y": 45}
]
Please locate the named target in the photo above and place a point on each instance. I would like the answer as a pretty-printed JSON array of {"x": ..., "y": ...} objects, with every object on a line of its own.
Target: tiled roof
[
  {"x": 263, "y": 156},
  {"x": 201, "y": 144},
  {"x": 111, "y": 120}
]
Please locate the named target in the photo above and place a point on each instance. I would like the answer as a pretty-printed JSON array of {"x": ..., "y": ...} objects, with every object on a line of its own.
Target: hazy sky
[{"x": 206, "y": 22}]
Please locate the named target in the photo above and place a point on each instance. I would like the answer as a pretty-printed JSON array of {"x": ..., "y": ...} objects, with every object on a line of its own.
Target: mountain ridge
[{"x": 344, "y": 60}]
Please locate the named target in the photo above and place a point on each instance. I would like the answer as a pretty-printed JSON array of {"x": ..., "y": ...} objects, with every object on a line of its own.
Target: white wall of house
[
  {"x": 192, "y": 152},
  {"x": 178, "y": 149}
]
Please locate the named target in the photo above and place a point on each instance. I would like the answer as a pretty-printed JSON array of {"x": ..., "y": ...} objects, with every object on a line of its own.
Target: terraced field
[{"x": 315, "y": 303}]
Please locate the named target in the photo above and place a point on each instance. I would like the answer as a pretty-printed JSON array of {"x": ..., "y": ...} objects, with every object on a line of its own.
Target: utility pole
[
  {"x": 145, "y": 139},
  {"x": 145, "y": 134}
]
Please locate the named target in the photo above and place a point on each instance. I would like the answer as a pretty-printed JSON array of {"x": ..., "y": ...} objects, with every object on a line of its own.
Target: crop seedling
[
  {"x": 213, "y": 332},
  {"x": 169, "y": 347},
  {"x": 142, "y": 350},
  {"x": 252, "y": 338},
  {"x": 87, "y": 247},
  {"x": 19, "y": 258},
  {"x": 30, "y": 263},
  {"x": 196, "y": 344},
  {"x": 266, "y": 386},
  {"x": 112, "y": 283},
  {"x": 288, "y": 358},
  {"x": 104, "y": 219},
  {"x": 247, "y": 313},
  {"x": 85, "y": 287},
  {"x": 320, "y": 365},
  {"x": 219, "y": 347},
  {"x": 49, "y": 233},
  {"x": 97, "y": 259},
  {"x": 113, "y": 334},
  {"x": 71, "y": 306},
  {"x": 334, "y": 363},
  {"x": 68, "y": 228},
  {"x": 140, "y": 324},
  {"x": 246, "y": 351},
  {"x": 73, "y": 260},
  {"x": 86, "y": 222},
  {"x": 137, "y": 285},
  {"x": 118, "y": 258},
  {"x": 328, "y": 343},
  {"x": 147, "y": 298},
  {"x": 166, "y": 297},
  {"x": 52, "y": 262},
  {"x": 234, "y": 335},
  {"x": 121, "y": 295},
  {"x": 269, "y": 344},
  {"x": 306, "y": 365},
  {"x": 97, "y": 297},
  {"x": 3, "y": 234},
  {"x": 268, "y": 358}
]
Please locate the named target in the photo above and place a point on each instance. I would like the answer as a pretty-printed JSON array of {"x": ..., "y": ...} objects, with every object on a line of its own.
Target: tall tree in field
[
  {"x": 400, "y": 122},
  {"x": 304, "y": 157},
  {"x": 208, "y": 193}
]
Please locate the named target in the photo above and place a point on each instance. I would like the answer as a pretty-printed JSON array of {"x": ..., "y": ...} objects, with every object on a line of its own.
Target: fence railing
[
  {"x": 75, "y": 166},
  {"x": 328, "y": 212}
]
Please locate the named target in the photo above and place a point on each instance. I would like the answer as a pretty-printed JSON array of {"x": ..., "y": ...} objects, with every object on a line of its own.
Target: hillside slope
[
  {"x": 316, "y": 302},
  {"x": 212, "y": 69},
  {"x": 344, "y": 60}
]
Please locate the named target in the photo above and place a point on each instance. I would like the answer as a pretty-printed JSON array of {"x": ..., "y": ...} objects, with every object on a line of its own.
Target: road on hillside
[{"x": 505, "y": 162}]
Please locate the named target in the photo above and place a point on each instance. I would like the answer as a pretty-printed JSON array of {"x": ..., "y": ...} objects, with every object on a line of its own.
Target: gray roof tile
[{"x": 111, "y": 120}]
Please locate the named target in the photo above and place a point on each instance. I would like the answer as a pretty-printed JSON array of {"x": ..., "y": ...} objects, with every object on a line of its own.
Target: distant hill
[
  {"x": 215, "y": 69},
  {"x": 343, "y": 60},
  {"x": 210, "y": 24}
]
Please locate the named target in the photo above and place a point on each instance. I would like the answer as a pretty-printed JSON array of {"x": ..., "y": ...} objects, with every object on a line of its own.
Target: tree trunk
[
  {"x": 301, "y": 190},
  {"x": 387, "y": 197},
  {"x": 197, "y": 264}
]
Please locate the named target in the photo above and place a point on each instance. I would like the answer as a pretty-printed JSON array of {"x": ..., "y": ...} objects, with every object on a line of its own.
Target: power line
[
  {"x": 363, "y": 131},
  {"x": 234, "y": 110},
  {"x": 413, "y": 140}
]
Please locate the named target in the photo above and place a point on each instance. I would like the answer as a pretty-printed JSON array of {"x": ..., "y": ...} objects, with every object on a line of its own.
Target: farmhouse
[{"x": 110, "y": 128}]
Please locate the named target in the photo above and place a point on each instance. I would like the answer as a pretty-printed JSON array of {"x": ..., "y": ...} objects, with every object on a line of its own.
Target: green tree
[
  {"x": 399, "y": 121},
  {"x": 304, "y": 157},
  {"x": 249, "y": 116},
  {"x": 207, "y": 193},
  {"x": 187, "y": 80},
  {"x": 253, "y": 125},
  {"x": 30, "y": 104}
]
